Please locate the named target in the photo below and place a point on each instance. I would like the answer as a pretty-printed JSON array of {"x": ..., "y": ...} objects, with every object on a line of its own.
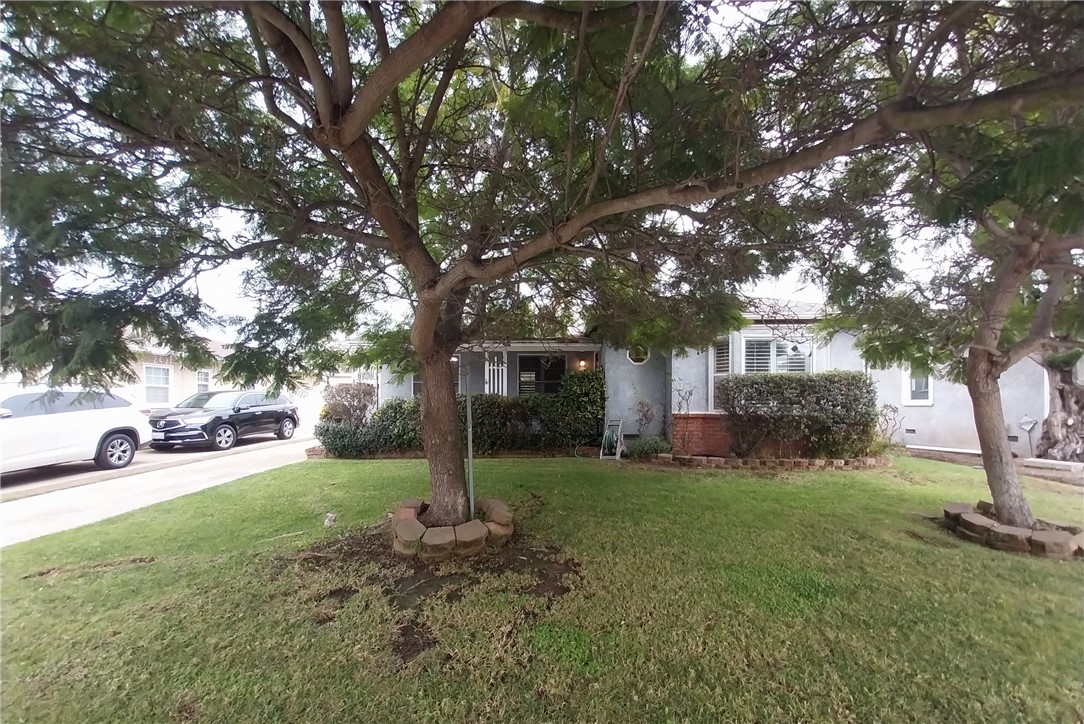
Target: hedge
[
  {"x": 834, "y": 414},
  {"x": 571, "y": 417}
]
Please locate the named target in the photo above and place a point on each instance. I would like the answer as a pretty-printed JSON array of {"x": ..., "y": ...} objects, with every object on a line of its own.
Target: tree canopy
[{"x": 490, "y": 163}]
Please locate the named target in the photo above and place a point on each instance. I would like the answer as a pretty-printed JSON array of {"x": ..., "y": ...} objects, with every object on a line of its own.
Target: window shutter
[
  {"x": 758, "y": 355},
  {"x": 722, "y": 358}
]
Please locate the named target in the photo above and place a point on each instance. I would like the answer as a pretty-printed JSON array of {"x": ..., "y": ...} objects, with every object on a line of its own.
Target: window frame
[
  {"x": 628, "y": 355},
  {"x": 540, "y": 384},
  {"x": 773, "y": 354},
  {"x": 905, "y": 390},
  {"x": 147, "y": 386},
  {"x": 202, "y": 386}
]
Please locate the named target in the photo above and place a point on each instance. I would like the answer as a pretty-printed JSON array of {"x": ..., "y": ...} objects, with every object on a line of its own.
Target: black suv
[{"x": 218, "y": 419}]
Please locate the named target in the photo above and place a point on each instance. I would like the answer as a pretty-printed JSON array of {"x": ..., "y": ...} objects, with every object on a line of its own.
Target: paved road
[{"x": 33, "y": 517}]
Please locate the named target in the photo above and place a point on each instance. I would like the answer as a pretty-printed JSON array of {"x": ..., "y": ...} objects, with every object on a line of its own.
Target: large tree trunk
[
  {"x": 1063, "y": 429},
  {"x": 443, "y": 446},
  {"x": 982, "y": 383}
]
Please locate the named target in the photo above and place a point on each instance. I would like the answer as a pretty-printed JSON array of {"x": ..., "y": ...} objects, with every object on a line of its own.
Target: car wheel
[
  {"x": 160, "y": 446},
  {"x": 224, "y": 437},
  {"x": 115, "y": 452},
  {"x": 286, "y": 429}
]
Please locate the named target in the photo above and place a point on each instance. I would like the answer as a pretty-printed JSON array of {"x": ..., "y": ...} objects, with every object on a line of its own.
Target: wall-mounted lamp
[
  {"x": 455, "y": 358},
  {"x": 583, "y": 364}
]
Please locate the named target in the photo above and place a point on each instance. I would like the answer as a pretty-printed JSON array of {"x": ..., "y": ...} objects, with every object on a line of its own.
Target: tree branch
[
  {"x": 569, "y": 20},
  {"x": 452, "y": 21},
  {"x": 342, "y": 72},
  {"x": 962, "y": 10},
  {"x": 290, "y": 44},
  {"x": 1052, "y": 91}
]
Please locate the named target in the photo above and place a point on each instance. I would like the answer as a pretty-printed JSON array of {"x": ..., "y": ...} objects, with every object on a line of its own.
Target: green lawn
[{"x": 699, "y": 596}]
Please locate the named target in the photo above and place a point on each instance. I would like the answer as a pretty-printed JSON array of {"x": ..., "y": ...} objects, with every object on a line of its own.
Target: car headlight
[{"x": 197, "y": 419}]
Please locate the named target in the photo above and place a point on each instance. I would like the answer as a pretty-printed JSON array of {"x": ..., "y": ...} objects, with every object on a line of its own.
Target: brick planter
[
  {"x": 705, "y": 434},
  {"x": 411, "y": 538},
  {"x": 803, "y": 464},
  {"x": 979, "y": 525}
]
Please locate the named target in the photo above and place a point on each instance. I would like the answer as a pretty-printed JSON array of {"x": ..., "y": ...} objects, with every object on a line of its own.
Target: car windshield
[{"x": 210, "y": 400}]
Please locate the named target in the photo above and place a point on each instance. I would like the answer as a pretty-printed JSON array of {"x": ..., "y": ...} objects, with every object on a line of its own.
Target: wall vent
[{"x": 909, "y": 430}]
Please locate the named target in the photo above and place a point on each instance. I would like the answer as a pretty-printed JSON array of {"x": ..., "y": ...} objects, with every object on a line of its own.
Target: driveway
[
  {"x": 38, "y": 481},
  {"x": 33, "y": 517}
]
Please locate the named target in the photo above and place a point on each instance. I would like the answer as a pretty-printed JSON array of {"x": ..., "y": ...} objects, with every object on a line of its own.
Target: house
[{"x": 656, "y": 392}]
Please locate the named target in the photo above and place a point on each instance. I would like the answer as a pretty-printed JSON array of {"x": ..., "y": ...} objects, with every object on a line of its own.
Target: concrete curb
[{"x": 178, "y": 459}]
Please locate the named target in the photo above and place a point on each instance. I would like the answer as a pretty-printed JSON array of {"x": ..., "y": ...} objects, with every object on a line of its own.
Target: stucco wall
[
  {"x": 950, "y": 421},
  {"x": 628, "y": 383}
]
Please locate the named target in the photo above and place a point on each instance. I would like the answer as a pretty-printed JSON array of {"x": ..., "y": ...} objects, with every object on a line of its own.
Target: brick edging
[{"x": 700, "y": 461}]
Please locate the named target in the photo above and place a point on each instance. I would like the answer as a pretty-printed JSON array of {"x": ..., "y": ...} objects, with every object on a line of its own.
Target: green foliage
[
  {"x": 1063, "y": 360},
  {"x": 528, "y": 422},
  {"x": 645, "y": 447},
  {"x": 834, "y": 414}
]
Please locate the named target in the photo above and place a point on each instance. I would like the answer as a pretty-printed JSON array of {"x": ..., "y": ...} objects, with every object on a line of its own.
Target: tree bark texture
[
  {"x": 985, "y": 390},
  {"x": 1063, "y": 436},
  {"x": 443, "y": 446}
]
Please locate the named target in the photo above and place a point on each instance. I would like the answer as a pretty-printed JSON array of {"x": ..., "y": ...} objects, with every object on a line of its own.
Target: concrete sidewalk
[{"x": 29, "y": 518}]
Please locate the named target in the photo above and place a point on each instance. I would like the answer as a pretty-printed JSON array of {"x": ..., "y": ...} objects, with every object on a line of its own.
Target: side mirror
[
  {"x": 4, "y": 412},
  {"x": 238, "y": 408}
]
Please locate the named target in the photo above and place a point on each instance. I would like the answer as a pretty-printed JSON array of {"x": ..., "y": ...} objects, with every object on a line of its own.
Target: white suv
[{"x": 38, "y": 427}]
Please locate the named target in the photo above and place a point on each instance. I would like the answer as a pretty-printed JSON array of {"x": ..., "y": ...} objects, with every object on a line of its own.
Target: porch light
[{"x": 583, "y": 364}]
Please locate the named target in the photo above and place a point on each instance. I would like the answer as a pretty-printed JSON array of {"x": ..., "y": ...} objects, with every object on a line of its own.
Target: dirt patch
[
  {"x": 411, "y": 640},
  {"x": 938, "y": 541},
  {"x": 50, "y": 572},
  {"x": 409, "y": 583},
  {"x": 341, "y": 595}
]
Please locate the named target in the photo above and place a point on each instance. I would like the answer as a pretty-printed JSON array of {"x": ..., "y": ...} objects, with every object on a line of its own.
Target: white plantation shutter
[
  {"x": 722, "y": 358},
  {"x": 758, "y": 355}
]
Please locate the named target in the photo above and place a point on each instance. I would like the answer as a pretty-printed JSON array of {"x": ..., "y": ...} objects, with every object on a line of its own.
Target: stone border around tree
[
  {"x": 411, "y": 538},
  {"x": 701, "y": 461},
  {"x": 978, "y": 524}
]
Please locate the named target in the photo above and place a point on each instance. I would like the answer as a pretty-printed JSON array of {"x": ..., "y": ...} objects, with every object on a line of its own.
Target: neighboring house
[
  {"x": 680, "y": 387},
  {"x": 162, "y": 379}
]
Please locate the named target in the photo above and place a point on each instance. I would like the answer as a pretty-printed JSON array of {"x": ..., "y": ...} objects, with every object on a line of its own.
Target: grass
[{"x": 701, "y": 596}]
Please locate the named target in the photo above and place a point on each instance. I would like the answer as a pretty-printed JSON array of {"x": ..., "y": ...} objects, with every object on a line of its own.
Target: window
[
  {"x": 418, "y": 379},
  {"x": 638, "y": 355},
  {"x": 203, "y": 380},
  {"x": 917, "y": 388},
  {"x": 777, "y": 355},
  {"x": 78, "y": 401},
  {"x": 538, "y": 374},
  {"x": 156, "y": 379},
  {"x": 28, "y": 405},
  {"x": 253, "y": 399}
]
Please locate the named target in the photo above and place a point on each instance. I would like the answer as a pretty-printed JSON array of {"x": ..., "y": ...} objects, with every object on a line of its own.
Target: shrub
[
  {"x": 834, "y": 414},
  {"x": 531, "y": 422},
  {"x": 644, "y": 447},
  {"x": 352, "y": 403}
]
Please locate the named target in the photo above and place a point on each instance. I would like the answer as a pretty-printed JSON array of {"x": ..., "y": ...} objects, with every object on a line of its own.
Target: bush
[
  {"x": 531, "y": 422},
  {"x": 352, "y": 403},
  {"x": 834, "y": 414},
  {"x": 645, "y": 447}
]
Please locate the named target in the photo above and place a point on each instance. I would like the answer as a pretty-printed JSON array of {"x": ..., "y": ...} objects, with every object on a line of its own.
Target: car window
[
  {"x": 80, "y": 401},
  {"x": 28, "y": 404},
  {"x": 210, "y": 400},
  {"x": 251, "y": 400},
  {"x": 270, "y": 399},
  {"x": 280, "y": 400}
]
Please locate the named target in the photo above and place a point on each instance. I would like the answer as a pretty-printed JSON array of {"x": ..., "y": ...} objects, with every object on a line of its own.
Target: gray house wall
[
  {"x": 950, "y": 420},
  {"x": 628, "y": 383}
]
